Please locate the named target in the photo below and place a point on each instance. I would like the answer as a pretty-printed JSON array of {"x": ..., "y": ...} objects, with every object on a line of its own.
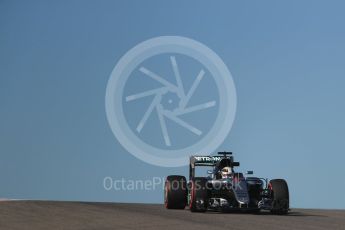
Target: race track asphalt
[{"x": 83, "y": 215}]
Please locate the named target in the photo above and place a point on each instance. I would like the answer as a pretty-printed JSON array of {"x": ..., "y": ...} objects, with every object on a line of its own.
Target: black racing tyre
[
  {"x": 198, "y": 195},
  {"x": 280, "y": 196},
  {"x": 175, "y": 192}
]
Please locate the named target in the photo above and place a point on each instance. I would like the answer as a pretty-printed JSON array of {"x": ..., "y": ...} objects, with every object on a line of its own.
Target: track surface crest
[{"x": 84, "y": 215}]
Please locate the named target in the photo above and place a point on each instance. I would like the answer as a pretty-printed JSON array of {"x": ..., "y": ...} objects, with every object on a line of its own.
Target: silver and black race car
[{"x": 235, "y": 192}]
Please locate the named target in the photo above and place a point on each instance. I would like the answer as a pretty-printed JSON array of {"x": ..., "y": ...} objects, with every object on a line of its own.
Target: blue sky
[{"x": 286, "y": 58}]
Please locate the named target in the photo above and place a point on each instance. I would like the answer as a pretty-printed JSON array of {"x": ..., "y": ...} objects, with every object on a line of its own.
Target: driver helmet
[{"x": 226, "y": 172}]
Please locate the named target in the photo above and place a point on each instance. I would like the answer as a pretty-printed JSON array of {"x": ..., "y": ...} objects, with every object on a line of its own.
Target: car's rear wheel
[
  {"x": 175, "y": 192},
  {"x": 198, "y": 195},
  {"x": 280, "y": 196}
]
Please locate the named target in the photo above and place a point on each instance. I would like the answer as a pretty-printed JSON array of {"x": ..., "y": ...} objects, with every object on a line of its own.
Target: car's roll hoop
[{"x": 225, "y": 153}]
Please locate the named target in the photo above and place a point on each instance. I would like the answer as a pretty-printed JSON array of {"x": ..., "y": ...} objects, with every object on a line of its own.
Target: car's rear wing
[
  {"x": 209, "y": 161},
  {"x": 204, "y": 160}
]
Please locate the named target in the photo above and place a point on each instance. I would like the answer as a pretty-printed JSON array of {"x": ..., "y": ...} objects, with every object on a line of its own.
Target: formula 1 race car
[{"x": 224, "y": 189}]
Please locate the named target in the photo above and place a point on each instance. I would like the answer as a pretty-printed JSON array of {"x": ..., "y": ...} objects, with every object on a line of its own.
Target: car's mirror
[
  {"x": 249, "y": 172},
  {"x": 235, "y": 163}
]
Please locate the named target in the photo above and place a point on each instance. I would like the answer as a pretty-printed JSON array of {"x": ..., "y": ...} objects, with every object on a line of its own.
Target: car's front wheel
[
  {"x": 280, "y": 196},
  {"x": 198, "y": 195}
]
